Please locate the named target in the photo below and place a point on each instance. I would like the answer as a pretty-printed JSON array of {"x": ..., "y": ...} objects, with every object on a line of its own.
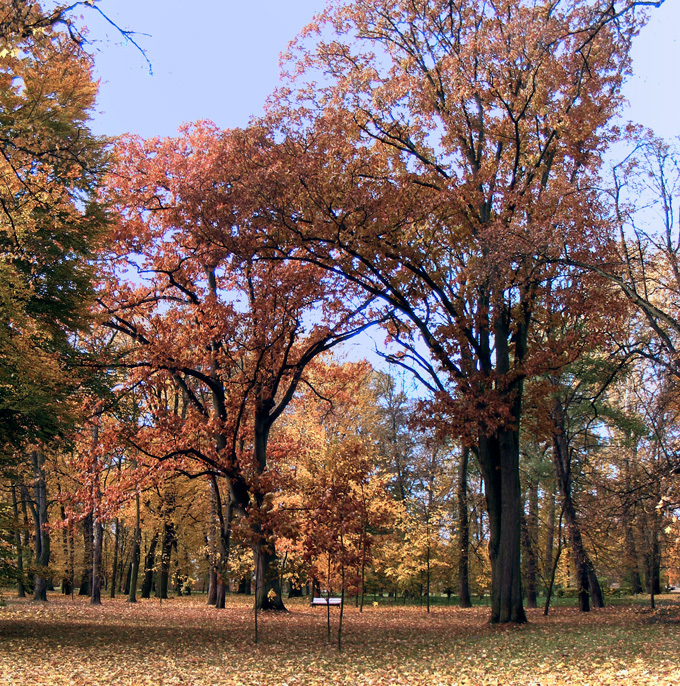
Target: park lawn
[{"x": 186, "y": 642}]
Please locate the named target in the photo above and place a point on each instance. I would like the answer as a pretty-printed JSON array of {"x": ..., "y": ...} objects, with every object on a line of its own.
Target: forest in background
[{"x": 177, "y": 413}]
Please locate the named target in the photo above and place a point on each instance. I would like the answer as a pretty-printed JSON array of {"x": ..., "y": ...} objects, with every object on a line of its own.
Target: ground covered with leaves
[{"x": 183, "y": 641}]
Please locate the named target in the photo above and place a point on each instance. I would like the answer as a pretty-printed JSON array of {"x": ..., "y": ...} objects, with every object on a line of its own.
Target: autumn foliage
[{"x": 184, "y": 412}]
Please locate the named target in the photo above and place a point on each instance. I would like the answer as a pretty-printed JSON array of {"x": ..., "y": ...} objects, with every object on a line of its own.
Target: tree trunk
[
  {"x": 149, "y": 562},
  {"x": 654, "y": 565},
  {"x": 499, "y": 461},
  {"x": 585, "y": 572},
  {"x": 267, "y": 588},
  {"x": 21, "y": 590},
  {"x": 179, "y": 582},
  {"x": 464, "y": 599},
  {"x": 427, "y": 557},
  {"x": 654, "y": 560},
  {"x": 98, "y": 528},
  {"x": 42, "y": 537},
  {"x": 96, "y": 595},
  {"x": 116, "y": 548},
  {"x": 530, "y": 540},
  {"x": 632, "y": 570},
  {"x": 596, "y": 595},
  {"x": 85, "y": 580},
  {"x": 342, "y": 589},
  {"x": 224, "y": 520},
  {"x": 67, "y": 576},
  {"x": 212, "y": 545},
  {"x": 553, "y": 570},
  {"x": 549, "y": 507},
  {"x": 26, "y": 548},
  {"x": 166, "y": 552},
  {"x": 134, "y": 563},
  {"x": 498, "y": 457}
]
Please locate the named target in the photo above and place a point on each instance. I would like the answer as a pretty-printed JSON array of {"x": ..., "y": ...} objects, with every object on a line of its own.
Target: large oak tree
[
  {"x": 443, "y": 156},
  {"x": 217, "y": 341}
]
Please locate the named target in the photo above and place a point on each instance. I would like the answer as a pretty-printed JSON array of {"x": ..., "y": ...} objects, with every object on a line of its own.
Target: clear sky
[
  {"x": 218, "y": 60},
  {"x": 211, "y": 59}
]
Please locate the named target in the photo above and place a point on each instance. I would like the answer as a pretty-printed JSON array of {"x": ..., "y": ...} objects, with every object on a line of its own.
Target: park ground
[{"x": 183, "y": 641}]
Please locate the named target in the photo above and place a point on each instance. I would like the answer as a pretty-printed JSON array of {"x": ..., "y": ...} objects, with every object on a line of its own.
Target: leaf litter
[{"x": 184, "y": 642}]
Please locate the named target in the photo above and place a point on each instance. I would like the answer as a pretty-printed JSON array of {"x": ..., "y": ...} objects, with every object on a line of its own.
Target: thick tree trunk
[
  {"x": 149, "y": 562},
  {"x": 212, "y": 585},
  {"x": 498, "y": 457},
  {"x": 166, "y": 552},
  {"x": 596, "y": 595},
  {"x": 42, "y": 537},
  {"x": 499, "y": 460},
  {"x": 464, "y": 599},
  {"x": 267, "y": 588}
]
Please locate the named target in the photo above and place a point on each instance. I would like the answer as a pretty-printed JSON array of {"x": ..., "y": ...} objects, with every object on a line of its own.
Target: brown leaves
[{"x": 186, "y": 642}]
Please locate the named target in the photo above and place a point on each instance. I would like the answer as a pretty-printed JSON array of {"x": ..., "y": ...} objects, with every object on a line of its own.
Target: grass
[{"x": 185, "y": 642}]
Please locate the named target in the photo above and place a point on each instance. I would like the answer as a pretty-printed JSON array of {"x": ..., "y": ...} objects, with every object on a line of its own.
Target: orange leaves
[{"x": 334, "y": 494}]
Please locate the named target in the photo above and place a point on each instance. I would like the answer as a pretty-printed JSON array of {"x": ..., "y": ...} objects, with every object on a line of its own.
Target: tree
[
  {"x": 217, "y": 341},
  {"x": 643, "y": 200},
  {"x": 336, "y": 492},
  {"x": 443, "y": 157},
  {"x": 50, "y": 222},
  {"x": 51, "y": 227}
]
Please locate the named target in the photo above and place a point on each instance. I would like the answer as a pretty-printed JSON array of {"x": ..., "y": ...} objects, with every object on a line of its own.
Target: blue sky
[
  {"x": 218, "y": 60},
  {"x": 212, "y": 59}
]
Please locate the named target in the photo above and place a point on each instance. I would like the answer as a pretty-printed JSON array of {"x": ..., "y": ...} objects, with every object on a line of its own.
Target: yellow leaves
[{"x": 12, "y": 52}]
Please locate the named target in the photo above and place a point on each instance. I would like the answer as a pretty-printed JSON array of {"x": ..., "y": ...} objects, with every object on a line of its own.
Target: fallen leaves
[{"x": 187, "y": 643}]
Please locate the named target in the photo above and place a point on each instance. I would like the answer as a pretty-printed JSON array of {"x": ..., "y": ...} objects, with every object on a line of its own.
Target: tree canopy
[{"x": 437, "y": 169}]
